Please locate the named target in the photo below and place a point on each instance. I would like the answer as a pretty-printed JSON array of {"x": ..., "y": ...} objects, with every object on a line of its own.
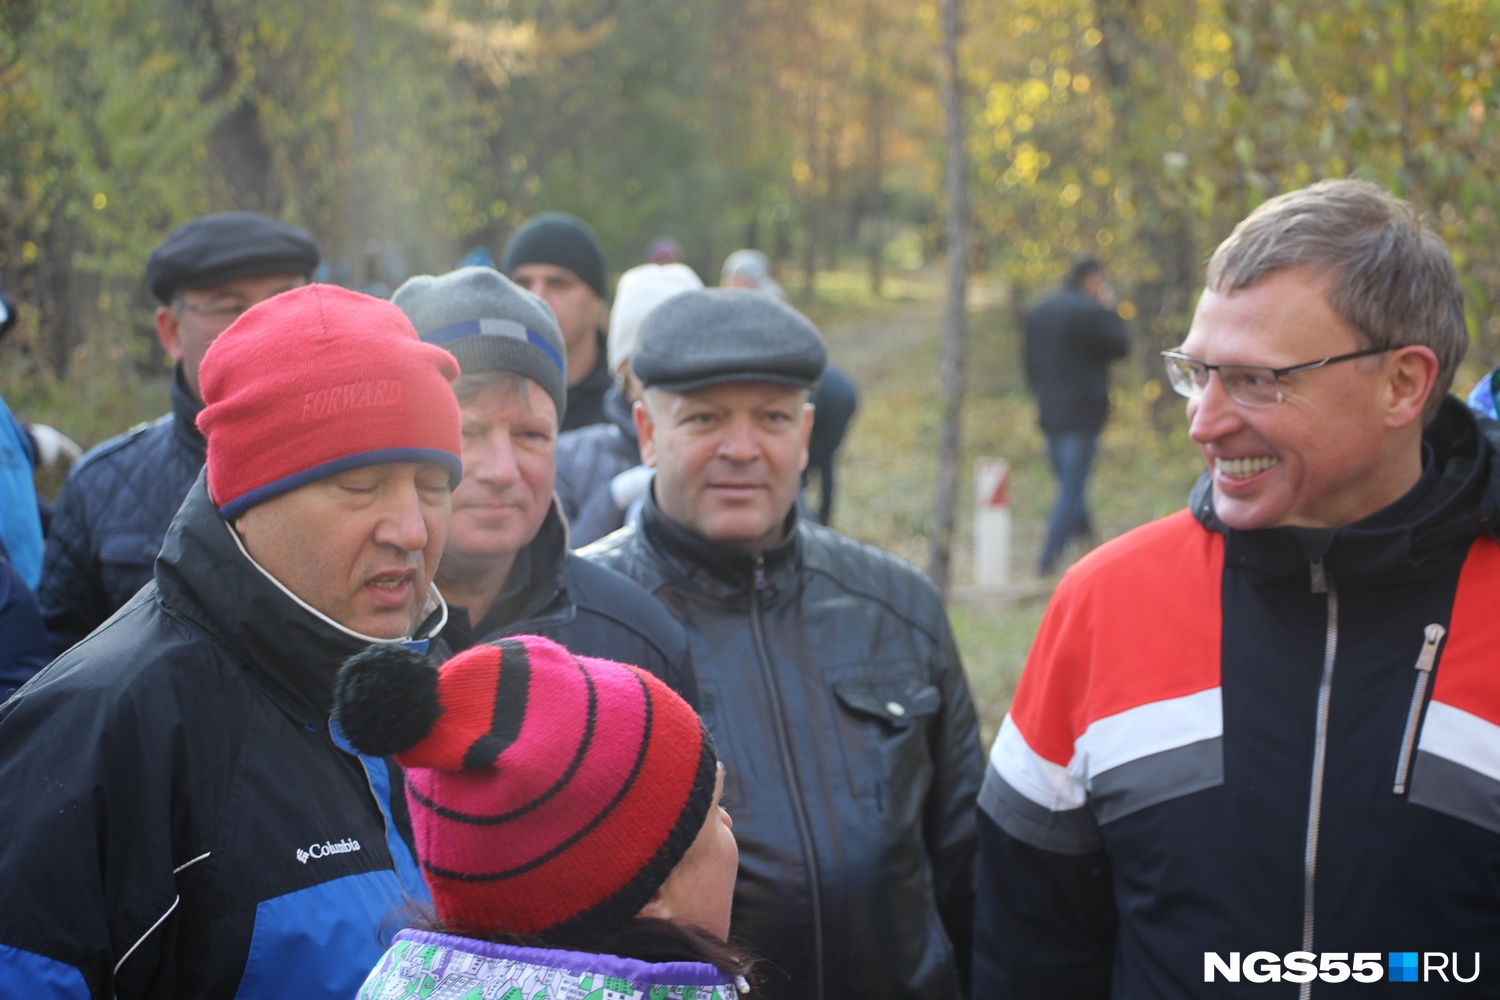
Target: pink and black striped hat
[{"x": 549, "y": 793}]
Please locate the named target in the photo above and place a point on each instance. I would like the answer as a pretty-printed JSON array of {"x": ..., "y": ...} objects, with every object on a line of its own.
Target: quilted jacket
[{"x": 112, "y": 515}]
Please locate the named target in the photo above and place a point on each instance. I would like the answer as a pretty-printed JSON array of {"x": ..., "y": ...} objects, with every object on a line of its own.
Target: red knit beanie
[
  {"x": 549, "y": 794},
  {"x": 317, "y": 381}
]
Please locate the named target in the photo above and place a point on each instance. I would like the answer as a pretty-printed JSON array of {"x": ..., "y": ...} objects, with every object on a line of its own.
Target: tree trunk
[{"x": 941, "y": 550}]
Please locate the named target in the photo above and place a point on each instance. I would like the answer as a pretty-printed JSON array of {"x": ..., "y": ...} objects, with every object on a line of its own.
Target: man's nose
[
  {"x": 1212, "y": 414},
  {"x": 494, "y": 461},
  {"x": 401, "y": 524},
  {"x": 738, "y": 443}
]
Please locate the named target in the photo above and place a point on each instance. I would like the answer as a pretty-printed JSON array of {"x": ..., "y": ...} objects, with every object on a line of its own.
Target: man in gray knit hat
[
  {"x": 830, "y": 678},
  {"x": 506, "y": 569}
]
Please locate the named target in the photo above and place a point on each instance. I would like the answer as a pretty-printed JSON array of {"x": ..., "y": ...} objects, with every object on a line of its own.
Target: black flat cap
[
  {"x": 718, "y": 335},
  {"x": 213, "y": 249}
]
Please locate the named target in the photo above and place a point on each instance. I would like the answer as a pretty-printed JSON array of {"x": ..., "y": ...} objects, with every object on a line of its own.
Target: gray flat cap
[
  {"x": 489, "y": 323},
  {"x": 718, "y": 335}
]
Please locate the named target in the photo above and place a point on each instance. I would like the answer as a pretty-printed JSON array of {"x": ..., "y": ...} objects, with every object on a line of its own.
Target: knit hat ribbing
[
  {"x": 561, "y": 240},
  {"x": 548, "y": 793},
  {"x": 489, "y": 323},
  {"x": 317, "y": 381}
]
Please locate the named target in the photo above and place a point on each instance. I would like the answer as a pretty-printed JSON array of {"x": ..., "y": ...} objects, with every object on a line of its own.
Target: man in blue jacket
[
  {"x": 182, "y": 818},
  {"x": 115, "y": 507}
]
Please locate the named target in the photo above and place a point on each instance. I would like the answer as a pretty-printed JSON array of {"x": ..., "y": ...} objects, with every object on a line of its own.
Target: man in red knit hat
[{"x": 184, "y": 820}]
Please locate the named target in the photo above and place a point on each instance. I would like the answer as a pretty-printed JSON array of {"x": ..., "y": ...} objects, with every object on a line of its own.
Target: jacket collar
[
  {"x": 542, "y": 598},
  {"x": 729, "y": 572},
  {"x": 185, "y": 410},
  {"x": 203, "y": 574},
  {"x": 1408, "y": 543}
]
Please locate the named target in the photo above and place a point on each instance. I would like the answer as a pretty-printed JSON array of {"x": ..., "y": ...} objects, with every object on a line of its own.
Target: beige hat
[{"x": 642, "y": 289}]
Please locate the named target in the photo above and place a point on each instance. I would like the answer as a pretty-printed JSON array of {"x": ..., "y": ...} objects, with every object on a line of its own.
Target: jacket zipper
[
  {"x": 1425, "y": 660},
  {"x": 783, "y": 746},
  {"x": 1320, "y": 585}
]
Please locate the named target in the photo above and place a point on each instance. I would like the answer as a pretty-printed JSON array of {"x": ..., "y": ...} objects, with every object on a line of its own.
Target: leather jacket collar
[
  {"x": 203, "y": 576},
  {"x": 1406, "y": 550},
  {"x": 185, "y": 410},
  {"x": 729, "y": 573}
]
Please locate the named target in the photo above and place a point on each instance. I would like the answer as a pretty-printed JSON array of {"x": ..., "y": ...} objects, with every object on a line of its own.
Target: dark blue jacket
[
  {"x": 111, "y": 517},
  {"x": 591, "y": 610},
  {"x": 588, "y": 460},
  {"x": 24, "y": 647},
  {"x": 1070, "y": 342},
  {"x": 180, "y": 820}
]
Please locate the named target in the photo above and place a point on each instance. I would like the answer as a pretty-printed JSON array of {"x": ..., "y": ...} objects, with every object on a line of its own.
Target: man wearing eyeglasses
[
  {"x": 120, "y": 497},
  {"x": 1259, "y": 740}
]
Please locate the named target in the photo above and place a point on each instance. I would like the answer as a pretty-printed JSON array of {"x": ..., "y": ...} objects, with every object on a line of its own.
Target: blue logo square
[{"x": 1402, "y": 966}]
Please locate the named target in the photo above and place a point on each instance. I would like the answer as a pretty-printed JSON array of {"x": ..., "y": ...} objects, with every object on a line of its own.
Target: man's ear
[
  {"x": 809, "y": 413},
  {"x": 167, "y": 332},
  {"x": 1410, "y": 379},
  {"x": 646, "y": 431}
]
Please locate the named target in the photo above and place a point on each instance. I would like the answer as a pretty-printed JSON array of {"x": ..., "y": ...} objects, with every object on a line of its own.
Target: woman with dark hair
[{"x": 567, "y": 821}]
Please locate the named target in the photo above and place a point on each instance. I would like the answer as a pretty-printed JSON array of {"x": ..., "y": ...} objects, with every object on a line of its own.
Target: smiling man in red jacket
[{"x": 1270, "y": 723}]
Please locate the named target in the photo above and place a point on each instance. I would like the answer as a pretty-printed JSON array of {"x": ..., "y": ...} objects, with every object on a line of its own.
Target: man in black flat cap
[
  {"x": 826, "y": 668},
  {"x": 558, "y": 257},
  {"x": 120, "y": 497}
]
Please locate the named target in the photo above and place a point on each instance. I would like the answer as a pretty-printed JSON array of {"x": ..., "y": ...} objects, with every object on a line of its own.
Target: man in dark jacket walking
[
  {"x": 1072, "y": 337},
  {"x": 1253, "y": 752},
  {"x": 507, "y": 569},
  {"x": 829, "y": 675},
  {"x": 114, "y": 509},
  {"x": 182, "y": 819}
]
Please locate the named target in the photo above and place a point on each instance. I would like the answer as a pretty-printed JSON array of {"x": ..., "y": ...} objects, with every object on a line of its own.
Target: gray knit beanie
[{"x": 489, "y": 323}]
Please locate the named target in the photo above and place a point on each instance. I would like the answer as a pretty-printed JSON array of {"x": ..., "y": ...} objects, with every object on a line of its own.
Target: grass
[{"x": 888, "y": 466}]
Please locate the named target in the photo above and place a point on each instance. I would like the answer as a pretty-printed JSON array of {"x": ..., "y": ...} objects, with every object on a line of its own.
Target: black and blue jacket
[
  {"x": 1277, "y": 741},
  {"x": 180, "y": 819}
]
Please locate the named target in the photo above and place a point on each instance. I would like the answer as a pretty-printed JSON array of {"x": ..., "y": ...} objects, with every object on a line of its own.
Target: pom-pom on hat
[
  {"x": 317, "y": 381},
  {"x": 549, "y": 794}
]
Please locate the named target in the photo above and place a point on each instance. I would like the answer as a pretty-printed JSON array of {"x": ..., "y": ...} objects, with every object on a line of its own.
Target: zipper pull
[
  {"x": 1319, "y": 577},
  {"x": 761, "y": 583},
  {"x": 1426, "y": 659}
]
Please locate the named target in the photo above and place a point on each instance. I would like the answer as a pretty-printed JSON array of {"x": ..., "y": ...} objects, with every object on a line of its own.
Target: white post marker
[{"x": 991, "y": 522}]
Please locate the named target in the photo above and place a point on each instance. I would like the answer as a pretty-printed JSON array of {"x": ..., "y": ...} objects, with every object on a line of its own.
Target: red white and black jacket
[{"x": 1237, "y": 741}]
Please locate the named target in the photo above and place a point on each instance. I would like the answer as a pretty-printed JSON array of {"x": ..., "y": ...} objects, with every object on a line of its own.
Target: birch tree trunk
[{"x": 944, "y": 513}]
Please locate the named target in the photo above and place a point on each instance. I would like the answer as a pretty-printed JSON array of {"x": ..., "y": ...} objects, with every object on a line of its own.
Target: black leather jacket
[
  {"x": 834, "y": 691},
  {"x": 112, "y": 515}
]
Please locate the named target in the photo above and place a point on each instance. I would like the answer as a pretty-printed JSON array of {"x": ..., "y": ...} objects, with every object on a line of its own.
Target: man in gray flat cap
[
  {"x": 828, "y": 672},
  {"x": 506, "y": 569},
  {"x": 120, "y": 497}
]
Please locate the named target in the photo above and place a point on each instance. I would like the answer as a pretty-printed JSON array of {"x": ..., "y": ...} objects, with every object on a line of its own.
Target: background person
[
  {"x": 20, "y": 517},
  {"x": 1234, "y": 718},
  {"x": 559, "y": 258},
  {"x": 829, "y": 674},
  {"x": 181, "y": 819},
  {"x": 1072, "y": 337},
  {"x": 600, "y": 478},
  {"x": 614, "y": 873},
  {"x": 507, "y": 568},
  {"x": 114, "y": 510}
]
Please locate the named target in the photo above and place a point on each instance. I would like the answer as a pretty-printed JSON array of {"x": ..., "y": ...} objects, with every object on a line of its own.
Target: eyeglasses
[
  {"x": 229, "y": 311},
  {"x": 1249, "y": 385}
]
